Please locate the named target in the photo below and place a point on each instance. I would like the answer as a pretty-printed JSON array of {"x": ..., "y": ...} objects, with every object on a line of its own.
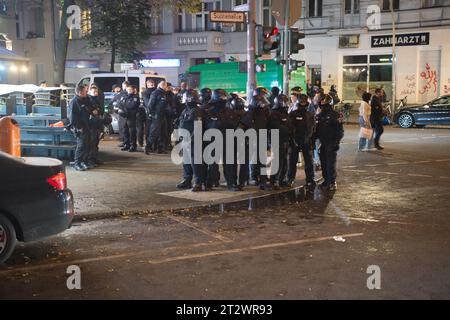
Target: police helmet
[
  {"x": 281, "y": 101},
  {"x": 327, "y": 99},
  {"x": 238, "y": 103},
  {"x": 260, "y": 91},
  {"x": 190, "y": 97},
  {"x": 260, "y": 101},
  {"x": 303, "y": 98},
  {"x": 205, "y": 95},
  {"x": 219, "y": 95}
]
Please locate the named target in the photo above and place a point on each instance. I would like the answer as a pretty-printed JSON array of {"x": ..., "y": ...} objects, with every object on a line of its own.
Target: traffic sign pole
[
  {"x": 251, "y": 52},
  {"x": 286, "y": 42}
]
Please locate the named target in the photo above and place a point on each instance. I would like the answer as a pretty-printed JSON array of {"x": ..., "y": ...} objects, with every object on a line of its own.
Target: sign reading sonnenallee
[
  {"x": 227, "y": 16},
  {"x": 412, "y": 39}
]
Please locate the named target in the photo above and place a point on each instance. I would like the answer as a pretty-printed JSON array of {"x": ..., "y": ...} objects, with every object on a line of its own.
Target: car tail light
[{"x": 58, "y": 181}]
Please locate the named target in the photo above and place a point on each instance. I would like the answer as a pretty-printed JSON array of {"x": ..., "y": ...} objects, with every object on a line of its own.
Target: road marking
[
  {"x": 397, "y": 163},
  {"x": 252, "y": 248},
  {"x": 390, "y": 173},
  {"x": 419, "y": 175},
  {"x": 349, "y": 167},
  {"x": 178, "y": 258},
  {"x": 442, "y": 160},
  {"x": 426, "y": 161},
  {"x": 359, "y": 171},
  {"x": 373, "y": 165},
  {"x": 199, "y": 229}
]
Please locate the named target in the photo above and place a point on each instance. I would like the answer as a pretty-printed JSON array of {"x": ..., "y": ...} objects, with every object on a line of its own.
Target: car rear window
[{"x": 106, "y": 83}]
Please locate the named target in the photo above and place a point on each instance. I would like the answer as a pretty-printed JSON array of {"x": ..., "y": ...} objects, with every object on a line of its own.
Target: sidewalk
[{"x": 132, "y": 183}]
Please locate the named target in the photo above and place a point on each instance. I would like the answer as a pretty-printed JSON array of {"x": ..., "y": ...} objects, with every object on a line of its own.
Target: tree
[
  {"x": 61, "y": 40},
  {"x": 121, "y": 26}
]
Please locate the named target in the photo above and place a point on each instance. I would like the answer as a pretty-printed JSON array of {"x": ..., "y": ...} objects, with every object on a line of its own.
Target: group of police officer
[
  {"x": 299, "y": 127},
  {"x": 87, "y": 121},
  {"x": 302, "y": 122}
]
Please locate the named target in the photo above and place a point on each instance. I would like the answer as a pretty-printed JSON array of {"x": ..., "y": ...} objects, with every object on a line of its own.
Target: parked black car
[
  {"x": 34, "y": 200},
  {"x": 436, "y": 112}
]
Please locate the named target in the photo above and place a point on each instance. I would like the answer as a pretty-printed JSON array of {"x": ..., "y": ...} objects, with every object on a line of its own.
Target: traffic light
[
  {"x": 295, "y": 37},
  {"x": 271, "y": 39}
]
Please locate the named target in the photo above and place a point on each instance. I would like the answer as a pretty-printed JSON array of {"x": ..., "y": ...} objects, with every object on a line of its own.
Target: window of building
[
  {"x": 351, "y": 6},
  {"x": 315, "y": 8},
  {"x": 240, "y": 27},
  {"x": 181, "y": 21},
  {"x": 268, "y": 19},
  {"x": 387, "y": 5},
  {"x": 201, "y": 21},
  {"x": 432, "y": 3},
  {"x": 365, "y": 74}
]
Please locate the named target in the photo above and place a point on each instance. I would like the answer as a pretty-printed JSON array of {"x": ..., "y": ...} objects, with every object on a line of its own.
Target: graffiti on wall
[
  {"x": 409, "y": 87},
  {"x": 429, "y": 78}
]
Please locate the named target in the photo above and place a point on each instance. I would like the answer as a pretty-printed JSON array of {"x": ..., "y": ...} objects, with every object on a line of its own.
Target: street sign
[
  {"x": 278, "y": 11},
  {"x": 227, "y": 16}
]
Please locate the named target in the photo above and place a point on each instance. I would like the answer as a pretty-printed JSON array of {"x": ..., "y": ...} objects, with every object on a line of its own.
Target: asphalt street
[{"x": 391, "y": 211}]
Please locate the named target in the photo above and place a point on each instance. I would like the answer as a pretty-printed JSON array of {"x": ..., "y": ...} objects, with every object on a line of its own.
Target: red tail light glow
[{"x": 58, "y": 181}]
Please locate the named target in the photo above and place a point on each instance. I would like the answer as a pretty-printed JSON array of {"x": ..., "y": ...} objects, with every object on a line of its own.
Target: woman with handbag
[{"x": 366, "y": 132}]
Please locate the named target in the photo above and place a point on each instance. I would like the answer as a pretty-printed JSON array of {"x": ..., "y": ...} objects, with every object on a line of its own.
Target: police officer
[
  {"x": 95, "y": 126},
  {"x": 157, "y": 108},
  {"x": 150, "y": 88},
  {"x": 79, "y": 120},
  {"x": 214, "y": 118},
  {"x": 279, "y": 120},
  {"x": 244, "y": 123},
  {"x": 376, "y": 117},
  {"x": 115, "y": 105},
  {"x": 330, "y": 132},
  {"x": 304, "y": 125},
  {"x": 190, "y": 114},
  {"x": 259, "y": 113},
  {"x": 129, "y": 109}
]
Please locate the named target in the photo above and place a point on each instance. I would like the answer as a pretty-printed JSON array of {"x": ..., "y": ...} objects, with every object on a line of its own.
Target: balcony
[{"x": 198, "y": 41}]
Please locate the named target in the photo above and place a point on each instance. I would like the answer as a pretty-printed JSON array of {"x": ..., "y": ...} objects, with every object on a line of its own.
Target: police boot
[
  {"x": 333, "y": 187},
  {"x": 234, "y": 188},
  {"x": 185, "y": 184},
  {"x": 125, "y": 148},
  {"x": 197, "y": 188}
]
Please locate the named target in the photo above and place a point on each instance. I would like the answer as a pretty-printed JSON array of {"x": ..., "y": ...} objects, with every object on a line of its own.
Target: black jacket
[
  {"x": 146, "y": 97},
  {"x": 259, "y": 117},
  {"x": 304, "y": 124},
  {"x": 130, "y": 105},
  {"x": 279, "y": 119},
  {"x": 158, "y": 103},
  {"x": 377, "y": 109},
  {"x": 80, "y": 112},
  {"x": 114, "y": 104},
  {"x": 96, "y": 112},
  {"x": 329, "y": 127},
  {"x": 189, "y": 115},
  {"x": 218, "y": 116}
]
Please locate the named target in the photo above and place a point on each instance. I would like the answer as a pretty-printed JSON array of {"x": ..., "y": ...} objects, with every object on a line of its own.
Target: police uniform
[
  {"x": 79, "y": 120},
  {"x": 304, "y": 125},
  {"x": 330, "y": 132},
  {"x": 157, "y": 108},
  {"x": 130, "y": 108},
  {"x": 95, "y": 128}
]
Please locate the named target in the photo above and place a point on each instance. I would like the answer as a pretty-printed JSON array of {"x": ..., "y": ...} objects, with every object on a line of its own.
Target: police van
[{"x": 105, "y": 81}]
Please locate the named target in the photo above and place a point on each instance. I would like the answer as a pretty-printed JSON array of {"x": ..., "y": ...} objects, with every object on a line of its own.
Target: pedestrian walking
[
  {"x": 376, "y": 117},
  {"x": 365, "y": 111}
]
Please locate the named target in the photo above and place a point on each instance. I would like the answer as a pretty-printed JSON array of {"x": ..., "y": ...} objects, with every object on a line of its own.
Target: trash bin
[{"x": 10, "y": 136}]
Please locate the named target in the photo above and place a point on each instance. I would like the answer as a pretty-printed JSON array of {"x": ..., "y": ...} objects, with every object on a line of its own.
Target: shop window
[
  {"x": 366, "y": 73},
  {"x": 387, "y": 5}
]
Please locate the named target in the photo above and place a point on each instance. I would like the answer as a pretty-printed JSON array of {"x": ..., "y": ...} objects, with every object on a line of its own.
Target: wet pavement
[{"x": 391, "y": 210}]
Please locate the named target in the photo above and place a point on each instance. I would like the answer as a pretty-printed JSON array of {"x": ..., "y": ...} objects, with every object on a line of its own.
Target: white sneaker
[{"x": 364, "y": 150}]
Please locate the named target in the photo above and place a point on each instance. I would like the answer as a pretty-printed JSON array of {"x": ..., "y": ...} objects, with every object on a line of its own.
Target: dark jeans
[
  {"x": 122, "y": 123},
  {"x": 378, "y": 130},
  {"x": 192, "y": 170},
  {"x": 230, "y": 168},
  {"x": 308, "y": 162},
  {"x": 328, "y": 159},
  {"x": 93, "y": 144},
  {"x": 130, "y": 133},
  {"x": 140, "y": 128},
  {"x": 279, "y": 176},
  {"x": 82, "y": 149},
  {"x": 158, "y": 135}
]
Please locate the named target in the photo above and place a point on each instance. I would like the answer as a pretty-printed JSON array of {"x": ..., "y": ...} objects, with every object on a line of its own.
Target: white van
[{"x": 105, "y": 81}]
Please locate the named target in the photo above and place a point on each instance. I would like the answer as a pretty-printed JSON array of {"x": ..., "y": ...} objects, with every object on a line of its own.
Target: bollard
[{"x": 10, "y": 136}]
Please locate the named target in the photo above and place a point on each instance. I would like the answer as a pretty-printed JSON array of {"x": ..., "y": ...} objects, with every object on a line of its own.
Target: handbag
[{"x": 365, "y": 133}]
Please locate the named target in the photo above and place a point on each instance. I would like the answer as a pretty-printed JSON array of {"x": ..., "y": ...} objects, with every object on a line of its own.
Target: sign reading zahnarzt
[
  {"x": 414, "y": 39},
  {"x": 227, "y": 16}
]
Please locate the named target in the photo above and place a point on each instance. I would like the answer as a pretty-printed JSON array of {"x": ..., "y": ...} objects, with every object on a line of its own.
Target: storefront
[
  {"x": 422, "y": 68},
  {"x": 14, "y": 69}
]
